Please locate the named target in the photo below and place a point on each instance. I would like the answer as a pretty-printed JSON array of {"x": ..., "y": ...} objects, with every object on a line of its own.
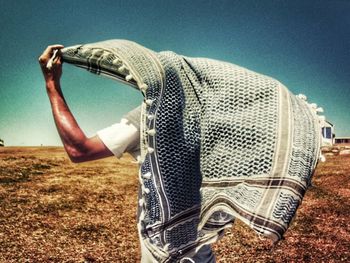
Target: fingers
[
  {"x": 58, "y": 57},
  {"x": 56, "y": 46},
  {"x": 55, "y": 60},
  {"x": 48, "y": 52},
  {"x": 52, "y": 59},
  {"x": 50, "y": 48}
]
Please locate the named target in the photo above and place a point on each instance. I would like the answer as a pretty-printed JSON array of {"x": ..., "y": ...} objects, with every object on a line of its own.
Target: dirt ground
[{"x": 52, "y": 210}]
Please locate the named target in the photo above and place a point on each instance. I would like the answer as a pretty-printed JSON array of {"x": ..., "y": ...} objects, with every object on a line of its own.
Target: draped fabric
[{"x": 218, "y": 142}]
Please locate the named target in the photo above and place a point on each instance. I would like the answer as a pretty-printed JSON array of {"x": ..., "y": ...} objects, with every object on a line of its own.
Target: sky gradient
[{"x": 303, "y": 44}]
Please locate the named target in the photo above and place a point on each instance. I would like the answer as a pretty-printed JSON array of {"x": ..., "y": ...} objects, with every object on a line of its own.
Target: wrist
[{"x": 52, "y": 84}]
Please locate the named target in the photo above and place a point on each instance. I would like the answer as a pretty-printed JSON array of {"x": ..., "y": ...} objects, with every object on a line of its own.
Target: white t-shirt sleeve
[{"x": 121, "y": 137}]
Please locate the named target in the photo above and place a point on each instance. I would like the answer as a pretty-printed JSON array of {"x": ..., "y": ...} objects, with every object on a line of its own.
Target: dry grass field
[{"x": 52, "y": 210}]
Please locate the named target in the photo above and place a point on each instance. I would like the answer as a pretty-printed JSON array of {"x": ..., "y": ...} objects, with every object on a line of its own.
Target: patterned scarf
[{"x": 218, "y": 142}]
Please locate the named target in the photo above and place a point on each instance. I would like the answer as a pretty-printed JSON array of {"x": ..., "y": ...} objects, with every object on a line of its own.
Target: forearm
[{"x": 72, "y": 136}]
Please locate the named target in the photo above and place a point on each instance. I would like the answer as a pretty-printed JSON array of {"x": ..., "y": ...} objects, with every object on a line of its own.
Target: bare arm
[{"x": 79, "y": 147}]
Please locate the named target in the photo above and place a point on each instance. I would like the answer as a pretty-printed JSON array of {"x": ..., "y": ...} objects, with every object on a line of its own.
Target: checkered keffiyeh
[{"x": 218, "y": 142}]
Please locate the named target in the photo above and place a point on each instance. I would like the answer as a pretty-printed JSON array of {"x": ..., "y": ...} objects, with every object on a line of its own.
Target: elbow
[
  {"x": 76, "y": 159},
  {"x": 83, "y": 151},
  {"x": 76, "y": 155}
]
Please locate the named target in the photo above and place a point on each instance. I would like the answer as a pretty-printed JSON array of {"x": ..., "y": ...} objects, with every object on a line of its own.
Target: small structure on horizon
[
  {"x": 342, "y": 140},
  {"x": 2, "y": 144}
]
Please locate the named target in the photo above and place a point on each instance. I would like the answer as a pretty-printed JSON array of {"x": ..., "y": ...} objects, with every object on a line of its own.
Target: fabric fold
[{"x": 218, "y": 142}]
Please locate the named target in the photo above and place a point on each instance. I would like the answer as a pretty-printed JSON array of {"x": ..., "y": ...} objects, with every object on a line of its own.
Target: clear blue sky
[{"x": 304, "y": 44}]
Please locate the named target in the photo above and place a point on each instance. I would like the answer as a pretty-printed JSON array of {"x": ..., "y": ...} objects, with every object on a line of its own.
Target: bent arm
[{"x": 79, "y": 147}]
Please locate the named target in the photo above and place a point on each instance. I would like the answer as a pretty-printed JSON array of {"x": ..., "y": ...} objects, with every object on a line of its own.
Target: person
[
  {"x": 218, "y": 142},
  {"x": 112, "y": 141}
]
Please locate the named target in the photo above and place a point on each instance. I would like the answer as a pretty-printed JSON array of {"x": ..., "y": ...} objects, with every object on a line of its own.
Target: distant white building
[{"x": 327, "y": 130}]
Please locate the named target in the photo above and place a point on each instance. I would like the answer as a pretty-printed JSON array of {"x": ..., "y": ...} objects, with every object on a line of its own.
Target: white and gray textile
[{"x": 218, "y": 142}]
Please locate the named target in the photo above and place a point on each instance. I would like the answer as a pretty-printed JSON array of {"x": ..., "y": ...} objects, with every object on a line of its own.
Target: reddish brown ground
[{"x": 54, "y": 211}]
